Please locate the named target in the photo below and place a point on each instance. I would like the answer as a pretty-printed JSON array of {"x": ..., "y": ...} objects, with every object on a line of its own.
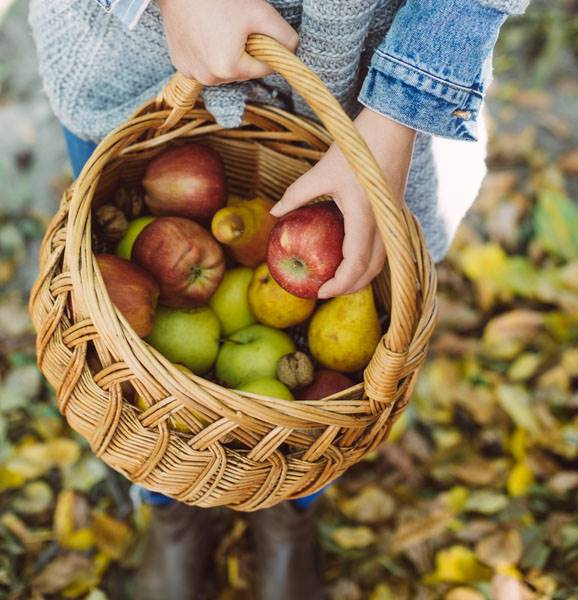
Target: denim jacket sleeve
[
  {"x": 433, "y": 67},
  {"x": 128, "y": 11}
]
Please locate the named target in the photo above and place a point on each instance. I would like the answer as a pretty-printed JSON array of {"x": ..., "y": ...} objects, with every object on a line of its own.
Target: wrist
[
  {"x": 386, "y": 138},
  {"x": 391, "y": 143}
]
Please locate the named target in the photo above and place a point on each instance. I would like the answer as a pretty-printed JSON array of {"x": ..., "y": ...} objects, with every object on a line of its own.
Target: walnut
[
  {"x": 295, "y": 370},
  {"x": 130, "y": 201},
  {"x": 110, "y": 223}
]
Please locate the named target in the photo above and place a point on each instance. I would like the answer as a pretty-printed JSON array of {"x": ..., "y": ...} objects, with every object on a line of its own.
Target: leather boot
[
  {"x": 180, "y": 542},
  {"x": 286, "y": 566}
]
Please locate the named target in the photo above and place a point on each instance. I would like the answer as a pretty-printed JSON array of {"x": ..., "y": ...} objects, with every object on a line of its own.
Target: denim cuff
[
  {"x": 432, "y": 69},
  {"x": 421, "y": 101},
  {"x": 128, "y": 11}
]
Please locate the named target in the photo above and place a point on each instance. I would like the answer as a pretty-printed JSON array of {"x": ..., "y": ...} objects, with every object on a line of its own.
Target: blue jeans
[{"x": 79, "y": 151}]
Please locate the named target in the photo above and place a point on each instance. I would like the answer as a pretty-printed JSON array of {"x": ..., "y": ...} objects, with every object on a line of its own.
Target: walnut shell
[
  {"x": 110, "y": 223},
  {"x": 295, "y": 370}
]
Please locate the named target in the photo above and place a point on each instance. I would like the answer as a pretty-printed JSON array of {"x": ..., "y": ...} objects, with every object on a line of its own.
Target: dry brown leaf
[
  {"x": 474, "y": 530},
  {"x": 31, "y": 539},
  {"x": 506, "y": 334},
  {"x": 501, "y": 549},
  {"x": 371, "y": 505},
  {"x": 476, "y": 471},
  {"x": 536, "y": 99},
  {"x": 419, "y": 529},
  {"x": 513, "y": 148},
  {"x": 570, "y": 361},
  {"x": 563, "y": 482},
  {"x": 503, "y": 223},
  {"x": 568, "y": 162},
  {"x": 345, "y": 589},
  {"x": 63, "y": 571},
  {"x": 497, "y": 185},
  {"x": 456, "y": 314},
  {"x": 555, "y": 378}
]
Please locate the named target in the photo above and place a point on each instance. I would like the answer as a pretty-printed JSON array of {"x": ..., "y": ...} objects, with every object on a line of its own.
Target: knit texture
[
  {"x": 96, "y": 73},
  {"x": 510, "y": 7}
]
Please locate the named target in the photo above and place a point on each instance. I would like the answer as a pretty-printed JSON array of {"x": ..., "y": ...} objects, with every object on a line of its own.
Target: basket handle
[{"x": 391, "y": 216}]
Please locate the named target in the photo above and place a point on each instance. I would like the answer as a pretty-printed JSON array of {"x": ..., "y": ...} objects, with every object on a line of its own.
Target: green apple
[
  {"x": 267, "y": 387},
  {"x": 231, "y": 303},
  {"x": 252, "y": 353},
  {"x": 124, "y": 247},
  {"x": 187, "y": 336}
]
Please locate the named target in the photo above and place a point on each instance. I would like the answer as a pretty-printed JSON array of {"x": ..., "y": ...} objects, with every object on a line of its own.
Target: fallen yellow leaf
[
  {"x": 520, "y": 479},
  {"x": 112, "y": 537},
  {"x": 353, "y": 537},
  {"x": 458, "y": 564}
]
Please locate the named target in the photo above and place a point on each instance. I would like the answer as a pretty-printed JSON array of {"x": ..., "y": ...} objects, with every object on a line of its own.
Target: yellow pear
[
  {"x": 272, "y": 305},
  {"x": 344, "y": 331}
]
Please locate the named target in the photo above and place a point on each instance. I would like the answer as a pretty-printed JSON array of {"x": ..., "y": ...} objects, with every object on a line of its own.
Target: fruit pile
[{"x": 222, "y": 288}]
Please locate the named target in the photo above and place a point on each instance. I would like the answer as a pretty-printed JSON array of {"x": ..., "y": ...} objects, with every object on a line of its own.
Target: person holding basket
[{"x": 413, "y": 74}]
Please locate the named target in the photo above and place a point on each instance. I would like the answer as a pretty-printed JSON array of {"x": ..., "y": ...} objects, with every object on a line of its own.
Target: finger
[
  {"x": 357, "y": 245},
  {"x": 251, "y": 68},
  {"x": 375, "y": 264},
  {"x": 308, "y": 187},
  {"x": 275, "y": 26}
]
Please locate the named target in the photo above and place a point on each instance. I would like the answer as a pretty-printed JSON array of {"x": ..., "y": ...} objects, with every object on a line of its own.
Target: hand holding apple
[{"x": 305, "y": 248}]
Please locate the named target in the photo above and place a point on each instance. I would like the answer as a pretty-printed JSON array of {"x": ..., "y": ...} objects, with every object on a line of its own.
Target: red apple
[
  {"x": 131, "y": 289},
  {"x": 305, "y": 248},
  {"x": 183, "y": 257},
  {"x": 187, "y": 181},
  {"x": 325, "y": 383}
]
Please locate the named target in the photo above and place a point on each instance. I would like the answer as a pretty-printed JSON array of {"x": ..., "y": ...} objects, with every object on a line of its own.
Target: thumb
[
  {"x": 251, "y": 68},
  {"x": 308, "y": 187}
]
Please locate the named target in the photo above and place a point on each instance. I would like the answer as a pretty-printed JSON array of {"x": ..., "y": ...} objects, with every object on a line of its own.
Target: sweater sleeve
[
  {"x": 434, "y": 65},
  {"x": 128, "y": 11}
]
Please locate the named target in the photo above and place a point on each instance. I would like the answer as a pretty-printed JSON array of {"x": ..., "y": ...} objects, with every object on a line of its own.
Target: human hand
[
  {"x": 207, "y": 38},
  {"x": 363, "y": 250}
]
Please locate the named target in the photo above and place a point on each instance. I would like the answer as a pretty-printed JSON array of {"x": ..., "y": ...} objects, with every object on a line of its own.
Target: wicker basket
[{"x": 256, "y": 451}]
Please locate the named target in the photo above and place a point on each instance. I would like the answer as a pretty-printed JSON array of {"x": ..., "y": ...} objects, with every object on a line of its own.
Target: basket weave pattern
[{"x": 255, "y": 452}]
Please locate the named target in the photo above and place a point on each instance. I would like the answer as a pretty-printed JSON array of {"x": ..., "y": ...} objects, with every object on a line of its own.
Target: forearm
[{"x": 391, "y": 144}]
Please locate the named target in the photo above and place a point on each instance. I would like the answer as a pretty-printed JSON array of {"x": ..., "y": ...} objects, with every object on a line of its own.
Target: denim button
[{"x": 465, "y": 115}]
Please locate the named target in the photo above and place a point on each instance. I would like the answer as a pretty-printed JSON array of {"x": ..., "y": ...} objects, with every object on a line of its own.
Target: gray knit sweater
[{"x": 96, "y": 73}]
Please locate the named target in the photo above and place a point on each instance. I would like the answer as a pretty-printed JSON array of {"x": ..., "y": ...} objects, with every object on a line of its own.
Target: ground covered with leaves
[{"x": 476, "y": 494}]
